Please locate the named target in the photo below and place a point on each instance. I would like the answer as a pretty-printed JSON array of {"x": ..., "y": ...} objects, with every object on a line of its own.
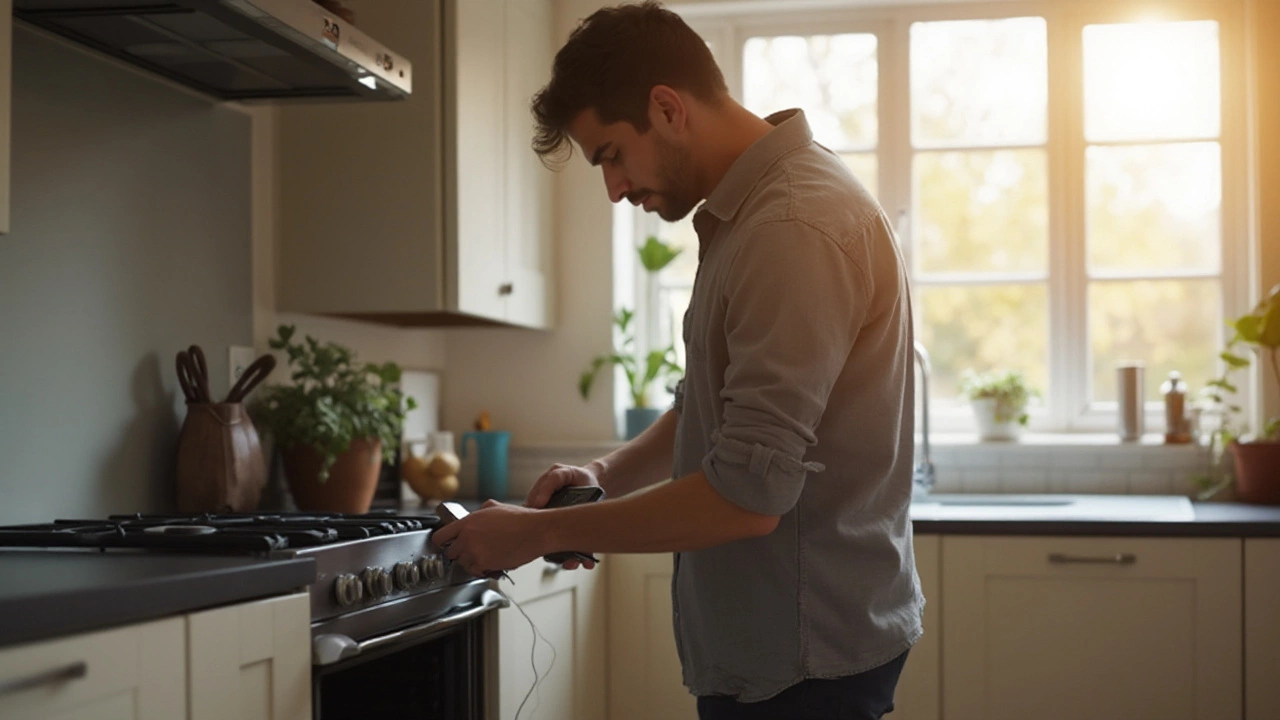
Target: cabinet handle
[
  {"x": 1117, "y": 559},
  {"x": 73, "y": 671},
  {"x": 506, "y": 288}
]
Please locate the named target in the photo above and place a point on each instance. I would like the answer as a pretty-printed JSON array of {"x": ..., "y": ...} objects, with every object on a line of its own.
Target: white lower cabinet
[
  {"x": 251, "y": 661},
  {"x": 644, "y": 669},
  {"x": 136, "y": 672},
  {"x": 568, "y": 609},
  {"x": 1262, "y": 628},
  {"x": 1070, "y": 628}
]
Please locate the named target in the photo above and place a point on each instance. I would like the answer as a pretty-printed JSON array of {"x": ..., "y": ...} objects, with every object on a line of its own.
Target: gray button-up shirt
[{"x": 797, "y": 402}]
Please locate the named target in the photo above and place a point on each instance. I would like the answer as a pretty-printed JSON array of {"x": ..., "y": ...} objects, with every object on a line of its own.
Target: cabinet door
[
  {"x": 1261, "y": 628},
  {"x": 529, "y": 249},
  {"x": 644, "y": 670},
  {"x": 251, "y": 661},
  {"x": 6, "y": 91},
  {"x": 475, "y": 150},
  {"x": 361, "y": 214},
  {"x": 918, "y": 696},
  {"x": 131, "y": 673},
  {"x": 1053, "y": 628},
  {"x": 568, "y": 609}
]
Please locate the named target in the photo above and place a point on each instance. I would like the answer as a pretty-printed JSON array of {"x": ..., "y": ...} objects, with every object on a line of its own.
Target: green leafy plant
[
  {"x": 641, "y": 370},
  {"x": 1258, "y": 330},
  {"x": 332, "y": 400},
  {"x": 1008, "y": 388}
]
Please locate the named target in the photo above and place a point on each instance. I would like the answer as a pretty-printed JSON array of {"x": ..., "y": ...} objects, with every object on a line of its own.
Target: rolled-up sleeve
[{"x": 795, "y": 300}]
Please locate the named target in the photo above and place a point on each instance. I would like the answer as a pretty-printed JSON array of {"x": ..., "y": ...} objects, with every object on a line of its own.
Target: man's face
[{"x": 647, "y": 169}]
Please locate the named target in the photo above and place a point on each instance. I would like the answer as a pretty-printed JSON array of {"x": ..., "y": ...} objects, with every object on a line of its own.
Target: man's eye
[{"x": 617, "y": 156}]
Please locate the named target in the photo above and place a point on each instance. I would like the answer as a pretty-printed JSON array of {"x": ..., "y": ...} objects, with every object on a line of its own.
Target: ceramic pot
[
  {"x": 352, "y": 479},
  {"x": 639, "y": 419},
  {"x": 1257, "y": 472},
  {"x": 996, "y": 422}
]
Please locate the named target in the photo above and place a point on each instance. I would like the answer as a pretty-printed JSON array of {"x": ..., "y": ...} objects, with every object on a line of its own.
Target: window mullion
[
  {"x": 1068, "y": 285},
  {"x": 895, "y": 127}
]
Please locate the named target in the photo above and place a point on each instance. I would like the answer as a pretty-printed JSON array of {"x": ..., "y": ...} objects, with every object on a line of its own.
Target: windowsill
[{"x": 1049, "y": 440}]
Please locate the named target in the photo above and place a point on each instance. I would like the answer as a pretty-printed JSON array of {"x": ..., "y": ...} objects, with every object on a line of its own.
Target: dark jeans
[{"x": 865, "y": 696}]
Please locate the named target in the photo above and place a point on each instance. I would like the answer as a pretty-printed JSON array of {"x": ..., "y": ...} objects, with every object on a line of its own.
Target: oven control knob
[
  {"x": 377, "y": 582},
  {"x": 431, "y": 567},
  {"x": 348, "y": 590},
  {"x": 407, "y": 575}
]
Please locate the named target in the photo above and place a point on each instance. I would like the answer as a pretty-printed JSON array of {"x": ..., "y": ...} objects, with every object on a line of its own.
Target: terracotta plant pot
[
  {"x": 352, "y": 479},
  {"x": 1257, "y": 472}
]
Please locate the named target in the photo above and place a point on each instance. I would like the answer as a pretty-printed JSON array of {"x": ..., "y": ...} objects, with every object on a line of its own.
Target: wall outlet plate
[{"x": 239, "y": 358}]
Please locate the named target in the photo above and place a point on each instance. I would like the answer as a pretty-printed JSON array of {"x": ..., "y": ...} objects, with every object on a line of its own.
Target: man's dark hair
[{"x": 611, "y": 62}]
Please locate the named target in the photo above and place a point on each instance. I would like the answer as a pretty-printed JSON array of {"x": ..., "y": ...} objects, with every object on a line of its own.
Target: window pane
[
  {"x": 674, "y": 302},
  {"x": 979, "y": 82},
  {"x": 1151, "y": 80},
  {"x": 683, "y": 237},
  {"x": 1154, "y": 207},
  {"x": 982, "y": 211},
  {"x": 866, "y": 168},
  {"x": 981, "y": 328},
  {"x": 1166, "y": 324},
  {"x": 833, "y": 78}
]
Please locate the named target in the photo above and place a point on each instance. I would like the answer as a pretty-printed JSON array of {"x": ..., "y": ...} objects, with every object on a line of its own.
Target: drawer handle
[
  {"x": 506, "y": 288},
  {"x": 73, "y": 671},
  {"x": 1117, "y": 559}
]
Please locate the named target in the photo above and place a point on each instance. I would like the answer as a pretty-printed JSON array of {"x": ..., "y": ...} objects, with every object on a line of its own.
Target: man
[{"x": 791, "y": 436}]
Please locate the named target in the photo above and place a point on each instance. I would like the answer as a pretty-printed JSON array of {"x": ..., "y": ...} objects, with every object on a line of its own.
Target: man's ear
[{"x": 667, "y": 110}]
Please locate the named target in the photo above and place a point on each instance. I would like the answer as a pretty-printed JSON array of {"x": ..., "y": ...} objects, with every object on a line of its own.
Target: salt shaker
[{"x": 1129, "y": 394}]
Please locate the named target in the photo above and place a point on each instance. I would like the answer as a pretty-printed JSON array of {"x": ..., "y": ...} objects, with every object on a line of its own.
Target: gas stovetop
[
  {"x": 373, "y": 572},
  {"x": 222, "y": 532}
]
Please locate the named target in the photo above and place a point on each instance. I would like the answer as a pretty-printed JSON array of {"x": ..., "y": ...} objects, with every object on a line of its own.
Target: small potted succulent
[
  {"x": 641, "y": 369},
  {"x": 1255, "y": 469},
  {"x": 999, "y": 400},
  {"x": 334, "y": 424}
]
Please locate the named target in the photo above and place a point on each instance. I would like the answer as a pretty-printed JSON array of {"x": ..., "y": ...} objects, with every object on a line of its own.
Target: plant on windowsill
[
  {"x": 334, "y": 424},
  {"x": 999, "y": 400},
  {"x": 641, "y": 370},
  {"x": 1255, "y": 466}
]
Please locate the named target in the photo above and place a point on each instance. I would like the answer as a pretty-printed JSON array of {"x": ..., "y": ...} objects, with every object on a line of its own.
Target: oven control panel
[{"x": 357, "y": 575}]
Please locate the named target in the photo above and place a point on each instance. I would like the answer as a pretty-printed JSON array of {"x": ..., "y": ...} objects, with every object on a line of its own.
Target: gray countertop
[
  {"x": 46, "y": 593},
  {"x": 1209, "y": 519}
]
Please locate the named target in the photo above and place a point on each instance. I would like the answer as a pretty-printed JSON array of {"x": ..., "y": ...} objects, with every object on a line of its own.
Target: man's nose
[{"x": 615, "y": 183}]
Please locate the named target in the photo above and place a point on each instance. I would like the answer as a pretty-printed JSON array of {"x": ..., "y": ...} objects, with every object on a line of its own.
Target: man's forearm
[
  {"x": 681, "y": 515},
  {"x": 640, "y": 463}
]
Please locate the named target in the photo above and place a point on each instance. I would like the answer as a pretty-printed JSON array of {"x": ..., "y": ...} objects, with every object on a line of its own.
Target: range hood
[{"x": 233, "y": 49}]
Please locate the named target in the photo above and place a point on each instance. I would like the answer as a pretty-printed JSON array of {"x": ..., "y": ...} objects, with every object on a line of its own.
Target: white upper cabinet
[
  {"x": 433, "y": 210},
  {"x": 6, "y": 90}
]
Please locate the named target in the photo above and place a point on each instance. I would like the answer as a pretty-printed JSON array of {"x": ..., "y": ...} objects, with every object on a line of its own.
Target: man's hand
[
  {"x": 557, "y": 477},
  {"x": 497, "y": 537}
]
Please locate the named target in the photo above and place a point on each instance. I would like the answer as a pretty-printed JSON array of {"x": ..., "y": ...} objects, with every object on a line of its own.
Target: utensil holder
[
  {"x": 220, "y": 465},
  {"x": 491, "y": 462}
]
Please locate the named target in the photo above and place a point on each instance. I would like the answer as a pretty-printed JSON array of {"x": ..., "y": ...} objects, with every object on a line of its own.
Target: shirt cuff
[{"x": 755, "y": 477}]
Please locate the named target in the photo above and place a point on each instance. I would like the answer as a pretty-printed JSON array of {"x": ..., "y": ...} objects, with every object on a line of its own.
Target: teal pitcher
[{"x": 491, "y": 462}]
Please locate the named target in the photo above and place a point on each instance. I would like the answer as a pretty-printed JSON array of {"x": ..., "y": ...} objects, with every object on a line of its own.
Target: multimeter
[{"x": 565, "y": 497}]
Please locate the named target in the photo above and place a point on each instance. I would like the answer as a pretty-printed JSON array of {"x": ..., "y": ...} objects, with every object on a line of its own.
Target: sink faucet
[{"x": 922, "y": 476}]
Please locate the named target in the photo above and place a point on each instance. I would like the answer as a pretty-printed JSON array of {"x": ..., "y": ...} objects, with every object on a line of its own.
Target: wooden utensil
[
  {"x": 257, "y": 371},
  {"x": 190, "y": 390},
  {"x": 201, "y": 369}
]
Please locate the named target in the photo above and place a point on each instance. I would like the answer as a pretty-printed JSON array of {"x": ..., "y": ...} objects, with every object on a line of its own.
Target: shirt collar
[{"x": 790, "y": 131}]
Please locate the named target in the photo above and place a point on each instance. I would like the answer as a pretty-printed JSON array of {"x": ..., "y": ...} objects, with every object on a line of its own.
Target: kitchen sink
[{"x": 1133, "y": 508}]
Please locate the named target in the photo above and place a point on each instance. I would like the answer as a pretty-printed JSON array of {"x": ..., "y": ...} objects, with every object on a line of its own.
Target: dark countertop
[
  {"x": 46, "y": 593},
  {"x": 1212, "y": 519}
]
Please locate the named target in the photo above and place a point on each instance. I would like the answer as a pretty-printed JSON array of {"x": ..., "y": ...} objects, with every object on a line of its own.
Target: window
[{"x": 1059, "y": 177}]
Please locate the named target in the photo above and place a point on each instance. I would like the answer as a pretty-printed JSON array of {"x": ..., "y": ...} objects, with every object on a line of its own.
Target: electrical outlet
[{"x": 239, "y": 358}]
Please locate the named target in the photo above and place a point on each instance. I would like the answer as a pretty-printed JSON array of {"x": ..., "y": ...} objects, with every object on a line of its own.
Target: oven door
[{"x": 433, "y": 670}]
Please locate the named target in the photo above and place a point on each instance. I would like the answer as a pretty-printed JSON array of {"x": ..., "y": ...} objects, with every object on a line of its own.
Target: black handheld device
[{"x": 564, "y": 497}]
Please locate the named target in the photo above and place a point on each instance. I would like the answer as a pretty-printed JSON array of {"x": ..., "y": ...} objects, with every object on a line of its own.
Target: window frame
[{"x": 727, "y": 26}]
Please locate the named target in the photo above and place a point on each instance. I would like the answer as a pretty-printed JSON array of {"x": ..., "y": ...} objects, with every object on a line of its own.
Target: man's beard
[{"x": 675, "y": 171}]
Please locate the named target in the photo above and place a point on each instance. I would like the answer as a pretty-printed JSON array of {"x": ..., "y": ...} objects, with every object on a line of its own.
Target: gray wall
[{"x": 130, "y": 240}]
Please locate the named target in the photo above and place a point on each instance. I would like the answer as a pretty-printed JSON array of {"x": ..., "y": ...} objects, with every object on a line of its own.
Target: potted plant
[
  {"x": 1256, "y": 457},
  {"x": 641, "y": 369},
  {"x": 999, "y": 400},
  {"x": 334, "y": 424}
]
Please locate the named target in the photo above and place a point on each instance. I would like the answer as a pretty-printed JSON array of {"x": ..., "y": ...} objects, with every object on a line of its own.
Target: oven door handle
[{"x": 330, "y": 648}]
